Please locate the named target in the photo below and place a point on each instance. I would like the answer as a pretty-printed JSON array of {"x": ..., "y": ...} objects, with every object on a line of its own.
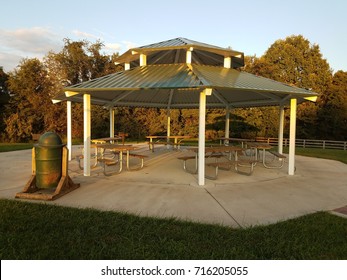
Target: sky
[{"x": 33, "y": 28}]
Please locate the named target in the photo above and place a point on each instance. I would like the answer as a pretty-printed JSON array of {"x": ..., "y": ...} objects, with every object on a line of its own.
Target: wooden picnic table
[
  {"x": 259, "y": 146},
  {"x": 107, "y": 139},
  {"x": 216, "y": 152},
  {"x": 159, "y": 140},
  {"x": 232, "y": 139},
  {"x": 219, "y": 149},
  {"x": 116, "y": 151},
  {"x": 266, "y": 147}
]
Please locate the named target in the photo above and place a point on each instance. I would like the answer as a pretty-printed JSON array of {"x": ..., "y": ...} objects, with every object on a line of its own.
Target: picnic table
[
  {"x": 232, "y": 139},
  {"x": 165, "y": 140},
  {"x": 115, "y": 157},
  {"x": 217, "y": 152},
  {"x": 107, "y": 139},
  {"x": 266, "y": 147}
]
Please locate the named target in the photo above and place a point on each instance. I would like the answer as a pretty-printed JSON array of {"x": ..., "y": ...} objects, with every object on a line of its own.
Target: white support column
[
  {"x": 189, "y": 56},
  {"x": 86, "y": 133},
  {"x": 227, "y": 125},
  {"x": 143, "y": 60},
  {"x": 126, "y": 66},
  {"x": 201, "y": 144},
  {"x": 111, "y": 122},
  {"x": 168, "y": 123},
  {"x": 69, "y": 129},
  {"x": 292, "y": 131},
  {"x": 227, "y": 62},
  {"x": 280, "y": 130}
]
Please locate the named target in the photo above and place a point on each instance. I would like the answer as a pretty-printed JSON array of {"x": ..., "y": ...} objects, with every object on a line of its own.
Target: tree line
[{"x": 26, "y": 93}]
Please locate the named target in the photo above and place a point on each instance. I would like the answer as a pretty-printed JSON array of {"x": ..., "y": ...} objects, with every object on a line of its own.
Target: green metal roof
[
  {"x": 182, "y": 42},
  {"x": 178, "y": 86},
  {"x": 172, "y": 51}
]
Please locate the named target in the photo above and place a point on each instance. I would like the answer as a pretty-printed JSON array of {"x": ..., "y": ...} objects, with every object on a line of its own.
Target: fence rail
[{"x": 307, "y": 143}]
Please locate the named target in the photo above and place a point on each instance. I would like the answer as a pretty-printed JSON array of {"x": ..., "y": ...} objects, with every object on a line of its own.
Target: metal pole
[
  {"x": 280, "y": 130},
  {"x": 201, "y": 152},
  {"x": 168, "y": 123},
  {"x": 86, "y": 133},
  {"x": 111, "y": 122},
  {"x": 202, "y": 121},
  {"x": 227, "y": 125},
  {"x": 292, "y": 132},
  {"x": 69, "y": 129}
]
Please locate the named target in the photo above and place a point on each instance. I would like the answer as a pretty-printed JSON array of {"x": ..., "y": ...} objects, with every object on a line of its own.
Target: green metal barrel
[{"x": 48, "y": 159}]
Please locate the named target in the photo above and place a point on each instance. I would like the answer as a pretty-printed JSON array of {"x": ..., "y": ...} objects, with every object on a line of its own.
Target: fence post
[
  {"x": 323, "y": 144},
  {"x": 303, "y": 145}
]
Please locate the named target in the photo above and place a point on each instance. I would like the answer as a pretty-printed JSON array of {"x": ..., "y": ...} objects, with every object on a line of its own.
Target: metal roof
[
  {"x": 180, "y": 42},
  {"x": 178, "y": 86},
  {"x": 173, "y": 51}
]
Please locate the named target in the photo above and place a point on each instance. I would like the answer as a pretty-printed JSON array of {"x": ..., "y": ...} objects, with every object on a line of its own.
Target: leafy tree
[
  {"x": 3, "y": 86},
  {"x": 34, "y": 83},
  {"x": 81, "y": 61},
  {"x": 332, "y": 116},
  {"x": 4, "y": 98},
  {"x": 29, "y": 86},
  {"x": 295, "y": 61}
]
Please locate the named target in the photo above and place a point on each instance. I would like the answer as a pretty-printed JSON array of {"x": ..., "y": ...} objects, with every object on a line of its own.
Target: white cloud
[
  {"x": 38, "y": 41},
  {"x": 32, "y": 40},
  {"x": 113, "y": 47},
  {"x": 129, "y": 45},
  {"x": 9, "y": 61},
  {"x": 83, "y": 34},
  {"x": 26, "y": 42}
]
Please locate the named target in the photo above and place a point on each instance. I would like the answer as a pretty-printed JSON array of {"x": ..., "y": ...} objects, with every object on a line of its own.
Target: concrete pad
[{"x": 163, "y": 189}]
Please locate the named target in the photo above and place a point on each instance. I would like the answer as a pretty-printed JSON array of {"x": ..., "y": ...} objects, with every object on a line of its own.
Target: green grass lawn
[
  {"x": 339, "y": 155},
  {"x": 43, "y": 231}
]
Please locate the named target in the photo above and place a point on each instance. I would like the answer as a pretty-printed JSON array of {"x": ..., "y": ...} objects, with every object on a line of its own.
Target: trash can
[{"x": 48, "y": 160}]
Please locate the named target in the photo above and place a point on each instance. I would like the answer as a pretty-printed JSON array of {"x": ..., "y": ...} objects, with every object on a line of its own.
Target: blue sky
[{"x": 32, "y": 28}]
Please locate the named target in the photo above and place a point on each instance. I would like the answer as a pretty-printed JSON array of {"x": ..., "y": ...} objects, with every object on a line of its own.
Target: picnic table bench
[
  {"x": 226, "y": 165},
  {"x": 185, "y": 158}
]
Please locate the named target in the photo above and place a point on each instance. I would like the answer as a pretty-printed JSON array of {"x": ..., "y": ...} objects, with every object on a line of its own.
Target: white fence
[{"x": 307, "y": 143}]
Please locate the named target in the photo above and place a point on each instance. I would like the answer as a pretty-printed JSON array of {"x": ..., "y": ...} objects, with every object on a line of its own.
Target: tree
[
  {"x": 332, "y": 116},
  {"x": 4, "y": 98},
  {"x": 30, "y": 89},
  {"x": 81, "y": 61},
  {"x": 297, "y": 62},
  {"x": 34, "y": 83}
]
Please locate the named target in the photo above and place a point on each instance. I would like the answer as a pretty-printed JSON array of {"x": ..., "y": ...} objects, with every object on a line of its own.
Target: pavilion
[{"x": 182, "y": 73}]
